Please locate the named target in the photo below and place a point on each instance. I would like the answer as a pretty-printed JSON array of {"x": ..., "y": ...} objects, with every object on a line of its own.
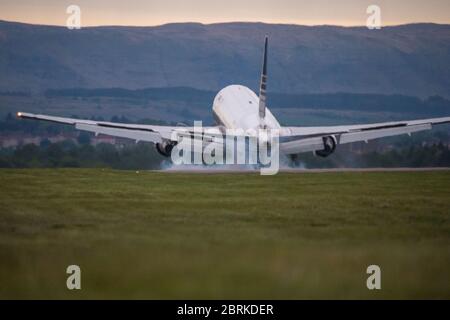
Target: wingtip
[{"x": 19, "y": 114}]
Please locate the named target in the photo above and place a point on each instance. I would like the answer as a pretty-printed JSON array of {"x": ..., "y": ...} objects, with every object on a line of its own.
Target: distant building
[{"x": 15, "y": 140}]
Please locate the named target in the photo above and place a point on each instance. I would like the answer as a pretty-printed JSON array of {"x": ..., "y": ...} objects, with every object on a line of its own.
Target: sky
[{"x": 156, "y": 12}]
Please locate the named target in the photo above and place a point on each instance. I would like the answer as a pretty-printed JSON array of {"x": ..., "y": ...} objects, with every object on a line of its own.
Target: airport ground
[{"x": 155, "y": 235}]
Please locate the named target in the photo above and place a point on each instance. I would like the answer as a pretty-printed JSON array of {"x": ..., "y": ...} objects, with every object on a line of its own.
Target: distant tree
[
  {"x": 54, "y": 154},
  {"x": 45, "y": 143},
  {"x": 84, "y": 138},
  {"x": 115, "y": 119}
]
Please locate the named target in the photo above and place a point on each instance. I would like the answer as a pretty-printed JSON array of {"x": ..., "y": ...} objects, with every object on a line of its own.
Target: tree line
[
  {"x": 143, "y": 156},
  {"x": 433, "y": 105}
]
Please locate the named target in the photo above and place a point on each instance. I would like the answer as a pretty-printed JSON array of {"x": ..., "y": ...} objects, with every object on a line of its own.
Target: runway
[{"x": 215, "y": 170}]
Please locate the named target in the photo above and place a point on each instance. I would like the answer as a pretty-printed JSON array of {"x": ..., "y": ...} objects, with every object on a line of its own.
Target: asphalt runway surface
[{"x": 212, "y": 170}]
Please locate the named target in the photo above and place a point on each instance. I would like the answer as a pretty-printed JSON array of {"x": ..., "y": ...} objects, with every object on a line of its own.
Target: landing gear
[{"x": 165, "y": 148}]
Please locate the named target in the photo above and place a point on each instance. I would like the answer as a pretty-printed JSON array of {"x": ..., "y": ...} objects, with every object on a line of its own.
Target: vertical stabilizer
[{"x": 263, "y": 85}]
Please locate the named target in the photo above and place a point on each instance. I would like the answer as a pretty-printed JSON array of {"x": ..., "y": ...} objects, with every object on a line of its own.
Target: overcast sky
[{"x": 155, "y": 12}]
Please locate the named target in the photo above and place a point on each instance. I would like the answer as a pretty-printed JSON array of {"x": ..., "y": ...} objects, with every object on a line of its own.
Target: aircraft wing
[
  {"x": 306, "y": 139},
  {"x": 138, "y": 132},
  {"x": 301, "y": 139}
]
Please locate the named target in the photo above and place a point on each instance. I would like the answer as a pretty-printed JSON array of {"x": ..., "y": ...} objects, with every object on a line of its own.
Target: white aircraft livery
[{"x": 238, "y": 107}]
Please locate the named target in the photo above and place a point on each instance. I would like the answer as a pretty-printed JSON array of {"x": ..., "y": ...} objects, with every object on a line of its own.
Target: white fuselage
[{"x": 237, "y": 107}]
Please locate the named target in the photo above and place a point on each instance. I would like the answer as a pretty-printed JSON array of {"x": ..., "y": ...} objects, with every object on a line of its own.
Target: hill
[{"x": 409, "y": 59}]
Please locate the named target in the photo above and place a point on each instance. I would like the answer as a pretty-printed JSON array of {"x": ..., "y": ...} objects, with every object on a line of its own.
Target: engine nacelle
[
  {"x": 329, "y": 146},
  {"x": 165, "y": 148}
]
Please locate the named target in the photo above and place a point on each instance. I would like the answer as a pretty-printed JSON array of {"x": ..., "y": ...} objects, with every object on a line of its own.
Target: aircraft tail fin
[{"x": 263, "y": 84}]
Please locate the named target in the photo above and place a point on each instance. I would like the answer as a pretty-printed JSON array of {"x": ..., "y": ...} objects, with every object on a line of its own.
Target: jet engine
[
  {"x": 329, "y": 146},
  {"x": 165, "y": 148}
]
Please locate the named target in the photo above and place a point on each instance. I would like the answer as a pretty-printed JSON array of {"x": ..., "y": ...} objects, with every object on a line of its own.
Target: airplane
[{"x": 238, "y": 107}]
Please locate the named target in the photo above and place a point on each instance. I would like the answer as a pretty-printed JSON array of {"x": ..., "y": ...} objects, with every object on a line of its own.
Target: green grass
[{"x": 169, "y": 235}]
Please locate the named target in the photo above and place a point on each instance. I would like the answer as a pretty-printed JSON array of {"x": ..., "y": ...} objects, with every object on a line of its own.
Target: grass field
[{"x": 173, "y": 235}]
